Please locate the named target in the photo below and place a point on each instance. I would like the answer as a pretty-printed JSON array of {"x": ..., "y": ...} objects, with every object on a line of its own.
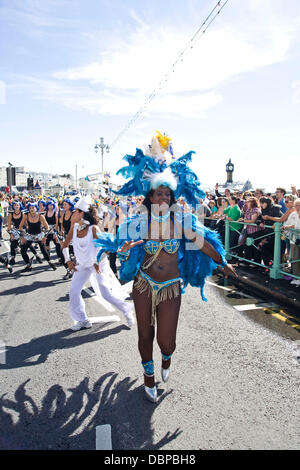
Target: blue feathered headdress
[{"x": 157, "y": 167}]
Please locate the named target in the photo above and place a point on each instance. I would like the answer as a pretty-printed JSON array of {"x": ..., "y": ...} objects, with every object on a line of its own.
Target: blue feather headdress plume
[{"x": 157, "y": 167}]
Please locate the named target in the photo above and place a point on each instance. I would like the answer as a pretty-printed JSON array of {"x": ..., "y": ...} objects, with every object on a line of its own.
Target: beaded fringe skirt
[{"x": 159, "y": 291}]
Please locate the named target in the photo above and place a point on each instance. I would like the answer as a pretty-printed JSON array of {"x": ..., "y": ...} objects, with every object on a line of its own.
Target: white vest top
[{"x": 84, "y": 249}]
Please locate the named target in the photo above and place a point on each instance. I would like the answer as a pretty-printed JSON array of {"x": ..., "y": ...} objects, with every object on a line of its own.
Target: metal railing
[{"x": 276, "y": 269}]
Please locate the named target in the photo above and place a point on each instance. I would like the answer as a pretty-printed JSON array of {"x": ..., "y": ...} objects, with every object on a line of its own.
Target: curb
[{"x": 281, "y": 298}]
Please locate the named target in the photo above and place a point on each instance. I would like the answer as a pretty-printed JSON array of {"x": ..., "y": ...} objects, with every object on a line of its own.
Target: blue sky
[{"x": 72, "y": 71}]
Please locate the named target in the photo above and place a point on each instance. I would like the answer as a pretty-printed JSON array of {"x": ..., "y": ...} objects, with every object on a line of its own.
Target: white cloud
[
  {"x": 111, "y": 103},
  {"x": 141, "y": 63},
  {"x": 128, "y": 70}
]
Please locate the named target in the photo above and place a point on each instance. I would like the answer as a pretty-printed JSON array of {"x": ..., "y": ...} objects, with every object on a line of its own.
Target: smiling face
[
  {"x": 161, "y": 197},
  {"x": 32, "y": 210},
  {"x": 17, "y": 207}
]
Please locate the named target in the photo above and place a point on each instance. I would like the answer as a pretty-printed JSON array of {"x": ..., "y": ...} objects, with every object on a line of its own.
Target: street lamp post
[
  {"x": 103, "y": 147},
  {"x": 10, "y": 165}
]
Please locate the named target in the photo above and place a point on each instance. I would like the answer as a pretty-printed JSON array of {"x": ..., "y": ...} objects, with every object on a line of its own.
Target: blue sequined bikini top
[{"x": 170, "y": 246}]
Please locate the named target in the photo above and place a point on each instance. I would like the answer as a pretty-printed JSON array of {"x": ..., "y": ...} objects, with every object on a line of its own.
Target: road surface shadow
[
  {"x": 21, "y": 355},
  {"x": 25, "y": 289},
  {"x": 67, "y": 419}
]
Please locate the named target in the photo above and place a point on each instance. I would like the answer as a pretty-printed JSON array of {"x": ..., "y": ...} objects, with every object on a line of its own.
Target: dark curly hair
[{"x": 91, "y": 216}]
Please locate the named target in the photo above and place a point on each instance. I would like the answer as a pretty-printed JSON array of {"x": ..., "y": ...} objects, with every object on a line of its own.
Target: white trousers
[{"x": 80, "y": 277}]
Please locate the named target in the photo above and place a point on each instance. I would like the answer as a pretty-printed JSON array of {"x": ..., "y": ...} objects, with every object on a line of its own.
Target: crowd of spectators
[{"x": 251, "y": 217}]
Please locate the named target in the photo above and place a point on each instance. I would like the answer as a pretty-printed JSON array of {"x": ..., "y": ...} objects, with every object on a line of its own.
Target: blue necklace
[{"x": 160, "y": 218}]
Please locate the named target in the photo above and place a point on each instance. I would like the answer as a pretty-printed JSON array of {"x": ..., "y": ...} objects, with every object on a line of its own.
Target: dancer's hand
[
  {"x": 71, "y": 266},
  {"x": 229, "y": 269},
  {"x": 97, "y": 267},
  {"x": 128, "y": 245},
  {"x": 43, "y": 240}
]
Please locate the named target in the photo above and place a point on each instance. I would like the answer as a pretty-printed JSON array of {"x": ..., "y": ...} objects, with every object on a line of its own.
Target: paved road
[{"x": 234, "y": 383}]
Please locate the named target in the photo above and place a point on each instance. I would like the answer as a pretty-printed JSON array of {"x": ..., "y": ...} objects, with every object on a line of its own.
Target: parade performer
[
  {"x": 13, "y": 228},
  {"x": 162, "y": 248},
  {"x": 37, "y": 230},
  {"x": 82, "y": 233},
  {"x": 52, "y": 221},
  {"x": 65, "y": 225},
  {"x": 42, "y": 207}
]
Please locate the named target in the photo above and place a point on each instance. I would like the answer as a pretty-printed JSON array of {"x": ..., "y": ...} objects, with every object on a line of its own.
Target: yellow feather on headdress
[{"x": 164, "y": 140}]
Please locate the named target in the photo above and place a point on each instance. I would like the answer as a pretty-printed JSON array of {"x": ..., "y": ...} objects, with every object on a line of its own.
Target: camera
[{"x": 297, "y": 241}]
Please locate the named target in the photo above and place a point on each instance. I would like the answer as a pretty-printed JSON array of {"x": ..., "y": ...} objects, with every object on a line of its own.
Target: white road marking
[
  {"x": 5, "y": 244},
  {"x": 220, "y": 287},
  {"x": 103, "y": 437},
  {"x": 242, "y": 308},
  {"x": 2, "y": 352}
]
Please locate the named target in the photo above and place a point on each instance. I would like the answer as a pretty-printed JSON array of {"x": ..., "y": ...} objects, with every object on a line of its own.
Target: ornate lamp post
[{"x": 102, "y": 146}]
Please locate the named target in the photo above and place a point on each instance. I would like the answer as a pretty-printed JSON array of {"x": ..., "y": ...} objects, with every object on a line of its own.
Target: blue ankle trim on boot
[
  {"x": 148, "y": 367},
  {"x": 166, "y": 358}
]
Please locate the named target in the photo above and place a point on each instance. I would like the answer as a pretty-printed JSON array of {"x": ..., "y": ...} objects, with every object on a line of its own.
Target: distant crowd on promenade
[{"x": 250, "y": 214}]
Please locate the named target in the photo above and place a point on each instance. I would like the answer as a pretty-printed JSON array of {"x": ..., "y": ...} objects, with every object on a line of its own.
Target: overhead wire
[{"x": 190, "y": 45}]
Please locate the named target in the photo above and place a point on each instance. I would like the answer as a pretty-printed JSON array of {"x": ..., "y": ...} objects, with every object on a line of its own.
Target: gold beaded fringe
[{"x": 168, "y": 292}]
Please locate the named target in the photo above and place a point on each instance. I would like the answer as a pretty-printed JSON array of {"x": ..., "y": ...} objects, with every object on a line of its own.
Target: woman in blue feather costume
[{"x": 162, "y": 249}]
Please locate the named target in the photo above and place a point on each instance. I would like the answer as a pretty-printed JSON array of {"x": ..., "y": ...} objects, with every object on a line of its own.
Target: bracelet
[{"x": 123, "y": 255}]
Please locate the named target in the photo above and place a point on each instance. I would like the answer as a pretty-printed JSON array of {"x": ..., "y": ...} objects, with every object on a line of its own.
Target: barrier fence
[
  {"x": 278, "y": 266},
  {"x": 275, "y": 237}
]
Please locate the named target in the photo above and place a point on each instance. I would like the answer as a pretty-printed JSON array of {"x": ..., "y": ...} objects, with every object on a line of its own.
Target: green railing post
[
  {"x": 227, "y": 240},
  {"x": 275, "y": 270}
]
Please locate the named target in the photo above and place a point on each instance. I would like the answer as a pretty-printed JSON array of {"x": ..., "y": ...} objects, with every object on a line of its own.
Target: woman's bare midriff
[{"x": 165, "y": 267}]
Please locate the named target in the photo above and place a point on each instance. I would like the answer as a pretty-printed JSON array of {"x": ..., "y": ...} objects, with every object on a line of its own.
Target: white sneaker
[
  {"x": 81, "y": 324},
  {"x": 130, "y": 319},
  {"x": 296, "y": 282}
]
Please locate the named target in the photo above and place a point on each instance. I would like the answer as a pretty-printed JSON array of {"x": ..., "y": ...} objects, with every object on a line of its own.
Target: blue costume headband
[
  {"x": 51, "y": 203},
  {"x": 41, "y": 201},
  {"x": 70, "y": 203},
  {"x": 32, "y": 204}
]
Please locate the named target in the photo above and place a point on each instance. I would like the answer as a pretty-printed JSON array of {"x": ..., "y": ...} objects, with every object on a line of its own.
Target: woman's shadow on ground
[
  {"x": 68, "y": 419},
  {"x": 23, "y": 354}
]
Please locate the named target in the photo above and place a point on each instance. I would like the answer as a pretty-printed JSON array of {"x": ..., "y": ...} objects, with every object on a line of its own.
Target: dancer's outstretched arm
[{"x": 65, "y": 250}]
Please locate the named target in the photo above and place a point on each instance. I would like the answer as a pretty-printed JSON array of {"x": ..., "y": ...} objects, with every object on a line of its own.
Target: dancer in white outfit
[{"x": 83, "y": 231}]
